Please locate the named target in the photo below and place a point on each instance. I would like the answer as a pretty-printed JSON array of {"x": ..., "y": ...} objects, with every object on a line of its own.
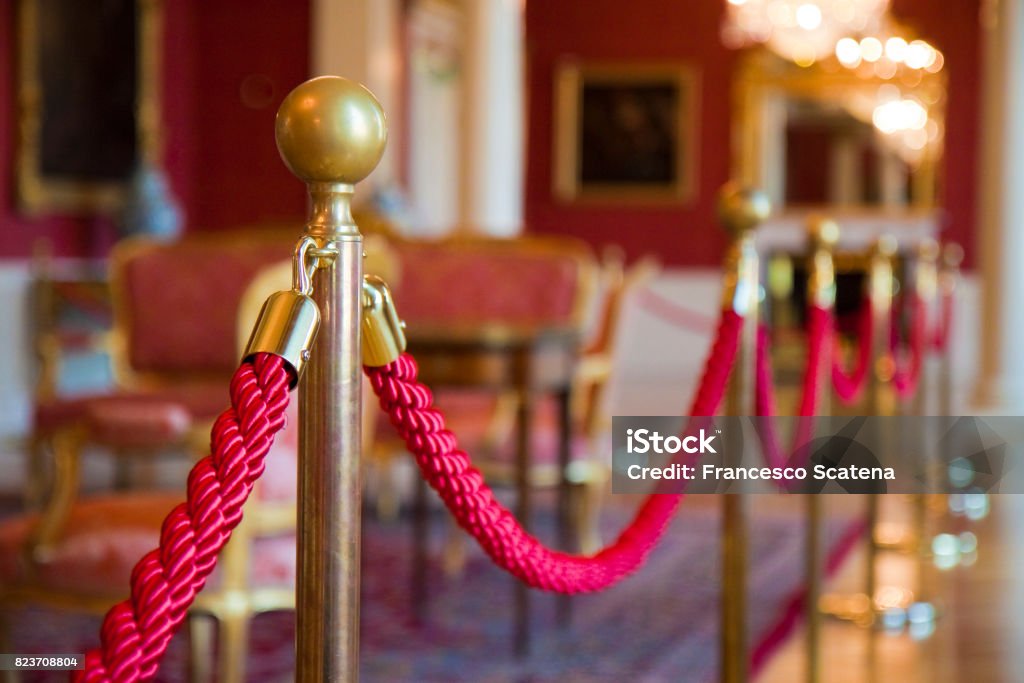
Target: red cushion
[
  {"x": 59, "y": 412},
  {"x": 131, "y": 423},
  {"x": 152, "y": 412},
  {"x": 106, "y": 536}
]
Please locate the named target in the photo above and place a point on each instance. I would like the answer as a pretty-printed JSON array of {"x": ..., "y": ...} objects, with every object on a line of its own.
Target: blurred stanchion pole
[
  {"x": 741, "y": 210},
  {"x": 822, "y": 234}
]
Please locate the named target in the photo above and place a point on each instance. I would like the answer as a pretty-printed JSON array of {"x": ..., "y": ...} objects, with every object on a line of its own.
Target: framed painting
[
  {"x": 625, "y": 132},
  {"x": 87, "y": 94}
]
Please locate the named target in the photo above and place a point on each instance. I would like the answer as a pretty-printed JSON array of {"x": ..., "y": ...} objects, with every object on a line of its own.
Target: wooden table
[{"x": 529, "y": 360}]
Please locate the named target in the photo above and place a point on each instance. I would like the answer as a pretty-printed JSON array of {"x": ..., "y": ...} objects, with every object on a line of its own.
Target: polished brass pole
[
  {"x": 880, "y": 391},
  {"x": 740, "y": 210},
  {"x": 331, "y": 134},
  {"x": 822, "y": 234},
  {"x": 925, "y": 286},
  {"x": 949, "y": 275}
]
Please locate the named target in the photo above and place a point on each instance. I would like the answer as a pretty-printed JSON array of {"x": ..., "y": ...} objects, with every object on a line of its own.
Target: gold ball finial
[
  {"x": 331, "y": 130},
  {"x": 822, "y": 231},
  {"x": 741, "y": 209}
]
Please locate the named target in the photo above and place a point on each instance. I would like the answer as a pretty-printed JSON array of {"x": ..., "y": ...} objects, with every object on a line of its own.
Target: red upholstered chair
[
  {"x": 173, "y": 347},
  {"x": 78, "y": 551}
]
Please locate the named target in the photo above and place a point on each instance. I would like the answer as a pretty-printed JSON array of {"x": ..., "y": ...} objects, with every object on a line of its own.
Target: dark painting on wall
[
  {"x": 87, "y": 84},
  {"x": 625, "y": 132},
  {"x": 87, "y": 66}
]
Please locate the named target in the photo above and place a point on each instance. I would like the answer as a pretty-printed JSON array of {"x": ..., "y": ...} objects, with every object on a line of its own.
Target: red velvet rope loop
[
  {"x": 673, "y": 314},
  {"x": 905, "y": 378},
  {"x": 449, "y": 471},
  {"x": 819, "y": 331},
  {"x": 850, "y": 385},
  {"x": 165, "y": 581}
]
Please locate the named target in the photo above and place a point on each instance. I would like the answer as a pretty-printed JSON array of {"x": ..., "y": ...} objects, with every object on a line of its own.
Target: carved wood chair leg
[
  {"x": 201, "y": 632},
  {"x": 122, "y": 472},
  {"x": 233, "y": 647},
  {"x": 38, "y": 480},
  {"x": 453, "y": 557},
  {"x": 387, "y": 503}
]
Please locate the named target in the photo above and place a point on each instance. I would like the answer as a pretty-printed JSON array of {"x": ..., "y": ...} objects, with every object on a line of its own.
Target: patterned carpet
[{"x": 659, "y": 625}]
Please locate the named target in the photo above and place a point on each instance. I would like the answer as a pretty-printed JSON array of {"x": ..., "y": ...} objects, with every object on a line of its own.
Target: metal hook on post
[
  {"x": 331, "y": 133},
  {"x": 740, "y": 210}
]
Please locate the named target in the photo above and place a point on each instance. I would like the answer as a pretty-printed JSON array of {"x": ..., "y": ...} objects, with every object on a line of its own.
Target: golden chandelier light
[{"x": 802, "y": 31}]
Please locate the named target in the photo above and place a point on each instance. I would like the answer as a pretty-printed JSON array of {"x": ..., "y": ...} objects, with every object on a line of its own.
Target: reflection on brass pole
[
  {"x": 821, "y": 292},
  {"x": 880, "y": 390},
  {"x": 331, "y": 134},
  {"x": 952, "y": 257},
  {"x": 740, "y": 210},
  {"x": 925, "y": 286}
]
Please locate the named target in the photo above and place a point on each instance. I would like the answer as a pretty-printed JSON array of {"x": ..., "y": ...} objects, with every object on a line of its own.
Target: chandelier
[
  {"x": 802, "y": 31},
  {"x": 887, "y": 55}
]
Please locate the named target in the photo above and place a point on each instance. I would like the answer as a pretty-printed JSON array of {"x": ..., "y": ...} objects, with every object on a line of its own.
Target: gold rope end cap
[
  {"x": 741, "y": 209},
  {"x": 331, "y": 130}
]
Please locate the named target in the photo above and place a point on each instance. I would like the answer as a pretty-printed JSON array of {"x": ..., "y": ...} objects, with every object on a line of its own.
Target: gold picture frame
[
  {"x": 764, "y": 87},
  {"x": 58, "y": 170},
  {"x": 625, "y": 133}
]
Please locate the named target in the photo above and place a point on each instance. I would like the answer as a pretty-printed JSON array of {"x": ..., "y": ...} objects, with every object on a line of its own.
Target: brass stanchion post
[
  {"x": 882, "y": 402},
  {"x": 880, "y": 391},
  {"x": 740, "y": 210},
  {"x": 331, "y": 134},
  {"x": 949, "y": 275},
  {"x": 925, "y": 285},
  {"x": 860, "y": 607},
  {"x": 823, "y": 234}
]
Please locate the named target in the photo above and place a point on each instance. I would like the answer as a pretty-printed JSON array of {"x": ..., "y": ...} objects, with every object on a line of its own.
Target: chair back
[
  {"x": 175, "y": 305},
  {"x": 525, "y": 280}
]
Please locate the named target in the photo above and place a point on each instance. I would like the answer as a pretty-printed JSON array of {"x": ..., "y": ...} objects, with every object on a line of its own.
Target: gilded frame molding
[
  {"x": 569, "y": 81},
  {"x": 38, "y": 194},
  {"x": 760, "y": 75}
]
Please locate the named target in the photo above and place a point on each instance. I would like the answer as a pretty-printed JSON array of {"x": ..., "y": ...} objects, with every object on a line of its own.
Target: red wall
[
  {"x": 251, "y": 53},
  {"x": 954, "y": 28},
  {"x": 642, "y": 30},
  {"x": 219, "y": 151},
  {"x": 651, "y": 30}
]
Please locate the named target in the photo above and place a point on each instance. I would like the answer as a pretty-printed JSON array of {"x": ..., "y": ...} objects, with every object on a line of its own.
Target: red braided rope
[
  {"x": 905, "y": 378},
  {"x": 136, "y": 632},
  {"x": 850, "y": 385},
  {"x": 462, "y": 488},
  {"x": 819, "y": 329}
]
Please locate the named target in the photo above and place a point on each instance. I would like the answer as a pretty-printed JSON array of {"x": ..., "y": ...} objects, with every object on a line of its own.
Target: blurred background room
[{"x": 567, "y": 179}]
